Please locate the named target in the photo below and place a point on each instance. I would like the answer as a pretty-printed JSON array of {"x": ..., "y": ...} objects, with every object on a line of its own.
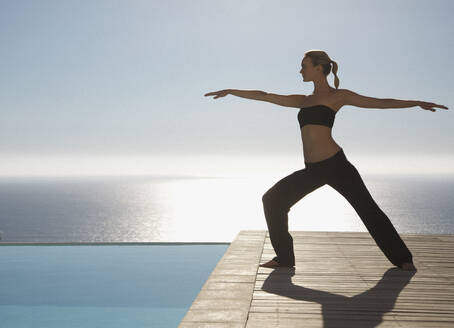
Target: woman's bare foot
[
  {"x": 408, "y": 267},
  {"x": 270, "y": 264}
]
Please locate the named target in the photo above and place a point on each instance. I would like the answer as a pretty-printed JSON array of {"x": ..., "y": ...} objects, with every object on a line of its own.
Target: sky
[{"x": 117, "y": 87}]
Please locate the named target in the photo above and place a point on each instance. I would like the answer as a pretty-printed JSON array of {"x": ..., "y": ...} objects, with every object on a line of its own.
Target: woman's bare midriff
[{"x": 318, "y": 144}]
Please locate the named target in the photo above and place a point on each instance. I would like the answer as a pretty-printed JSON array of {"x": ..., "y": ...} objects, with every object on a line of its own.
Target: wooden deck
[{"x": 341, "y": 279}]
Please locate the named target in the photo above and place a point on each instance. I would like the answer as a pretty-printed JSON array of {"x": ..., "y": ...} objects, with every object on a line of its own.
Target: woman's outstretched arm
[
  {"x": 352, "y": 98},
  {"x": 250, "y": 94},
  {"x": 282, "y": 100}
]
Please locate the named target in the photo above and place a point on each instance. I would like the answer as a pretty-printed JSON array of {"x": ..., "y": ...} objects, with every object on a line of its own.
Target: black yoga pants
[{"x": 343, "y": 176}]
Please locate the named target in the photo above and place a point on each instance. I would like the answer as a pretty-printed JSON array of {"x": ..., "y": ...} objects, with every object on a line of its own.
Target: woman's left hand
[{"x": 429, "y": 105}]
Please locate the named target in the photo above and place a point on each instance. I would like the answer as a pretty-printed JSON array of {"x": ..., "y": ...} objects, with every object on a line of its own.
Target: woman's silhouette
[{"x": 325, "y": 161}]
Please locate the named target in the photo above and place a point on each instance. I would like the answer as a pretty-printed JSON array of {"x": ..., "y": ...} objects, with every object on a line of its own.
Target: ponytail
[{"x": 336, "y": 79}]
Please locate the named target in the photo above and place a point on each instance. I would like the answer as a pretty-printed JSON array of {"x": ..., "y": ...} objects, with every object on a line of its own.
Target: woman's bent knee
[
  {"x": 273, "y": 201},
  {"x": 269, "y": 197}
]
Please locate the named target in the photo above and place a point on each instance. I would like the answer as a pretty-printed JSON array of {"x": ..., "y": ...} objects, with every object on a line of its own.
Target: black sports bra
[{"x": 317, "y": 114}]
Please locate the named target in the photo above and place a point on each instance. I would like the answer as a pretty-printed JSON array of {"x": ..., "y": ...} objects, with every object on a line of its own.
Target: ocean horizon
[{"x": 202, "y": 209}]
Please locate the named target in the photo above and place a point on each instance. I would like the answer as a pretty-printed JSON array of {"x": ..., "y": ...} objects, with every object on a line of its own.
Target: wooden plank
[{"x": 225, "y": 298}]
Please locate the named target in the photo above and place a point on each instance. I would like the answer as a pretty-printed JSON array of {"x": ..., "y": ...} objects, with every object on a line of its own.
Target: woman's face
[{"x": 307, "y": 70}]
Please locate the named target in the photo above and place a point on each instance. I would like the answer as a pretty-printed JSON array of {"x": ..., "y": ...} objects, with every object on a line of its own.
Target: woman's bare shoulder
[{"x": 342, "y": 95}]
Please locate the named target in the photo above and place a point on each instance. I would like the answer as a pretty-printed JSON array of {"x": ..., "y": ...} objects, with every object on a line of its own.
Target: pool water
[{"x": 121, "y": 285}]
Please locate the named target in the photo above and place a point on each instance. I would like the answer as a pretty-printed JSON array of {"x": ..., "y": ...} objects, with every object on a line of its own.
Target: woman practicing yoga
[{"x": 325, "y": 161}]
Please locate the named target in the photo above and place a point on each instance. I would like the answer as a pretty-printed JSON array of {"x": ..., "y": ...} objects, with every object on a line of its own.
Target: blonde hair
[{"x": 319, "y": 57}]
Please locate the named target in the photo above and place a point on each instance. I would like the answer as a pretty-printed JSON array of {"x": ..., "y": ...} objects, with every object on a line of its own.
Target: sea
[{"x": 203, "y": 209}]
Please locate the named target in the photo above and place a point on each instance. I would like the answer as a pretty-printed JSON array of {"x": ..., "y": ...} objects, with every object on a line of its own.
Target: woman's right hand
[
  {"x": 218, "y": 94},
  {"x": 429, "y": 105}
]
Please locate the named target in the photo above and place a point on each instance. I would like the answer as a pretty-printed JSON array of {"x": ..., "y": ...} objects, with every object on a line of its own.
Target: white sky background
[{"x": 117, "y": 87}]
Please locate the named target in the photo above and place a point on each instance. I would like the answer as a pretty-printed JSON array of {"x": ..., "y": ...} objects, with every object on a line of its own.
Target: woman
[{"x": 325, "y": 161}]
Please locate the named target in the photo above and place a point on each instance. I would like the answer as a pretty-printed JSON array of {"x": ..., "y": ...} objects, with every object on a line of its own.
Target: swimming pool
[{"x": 102, "y": 285}]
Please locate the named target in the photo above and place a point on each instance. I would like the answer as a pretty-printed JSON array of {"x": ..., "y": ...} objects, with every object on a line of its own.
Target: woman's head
[{"x": 315, "y": 64}]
